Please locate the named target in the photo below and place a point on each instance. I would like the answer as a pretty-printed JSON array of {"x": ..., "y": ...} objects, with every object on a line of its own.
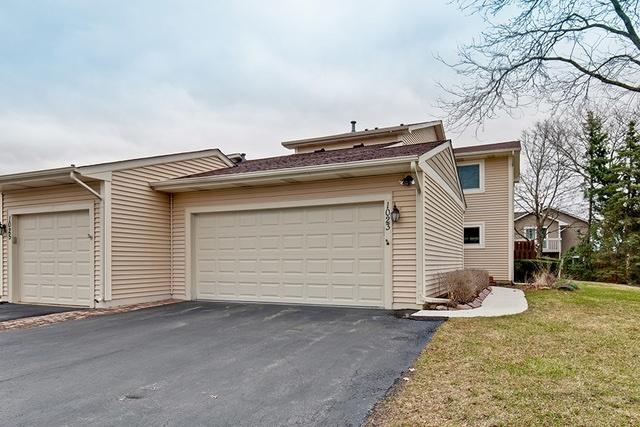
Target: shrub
[
  {"x": 525, "y": 269},
  {"x": 463, "y": 286},
  {"x": 543, "y": 279}
]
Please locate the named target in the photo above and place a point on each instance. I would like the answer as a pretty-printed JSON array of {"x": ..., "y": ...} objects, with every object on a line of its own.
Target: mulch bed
[{"x": 50, "y": 319}]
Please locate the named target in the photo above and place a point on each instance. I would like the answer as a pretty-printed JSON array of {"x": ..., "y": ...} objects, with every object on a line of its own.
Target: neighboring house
[
  {"x": 368, "y": 218},
  {"x": 488, "y": 174},
  {"x": 563, "y": 230}
]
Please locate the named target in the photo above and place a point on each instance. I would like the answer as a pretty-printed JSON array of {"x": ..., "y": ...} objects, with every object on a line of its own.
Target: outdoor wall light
[
  {"x": 407, "y": 181},
  {"x": 395, "y": 214}
]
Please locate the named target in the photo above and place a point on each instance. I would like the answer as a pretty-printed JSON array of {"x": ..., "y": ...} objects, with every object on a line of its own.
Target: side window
[
  {"x": 473, "y": 235},
  {"x": 471, "y": 176}
]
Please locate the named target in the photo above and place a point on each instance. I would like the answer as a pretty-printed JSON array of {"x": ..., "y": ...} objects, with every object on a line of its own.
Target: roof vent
[
  {"x": 319, "y": 150},
  {"x": 353, "y": 125},
  {"x": 237, "y": 158}
]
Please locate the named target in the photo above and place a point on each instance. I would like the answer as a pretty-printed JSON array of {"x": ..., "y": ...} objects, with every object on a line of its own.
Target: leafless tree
[
  {"x": 551, "y": 51},
  {"x": 546, "y": 183}
]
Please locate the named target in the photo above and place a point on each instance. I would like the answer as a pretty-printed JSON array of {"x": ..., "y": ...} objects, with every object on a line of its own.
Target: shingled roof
[{"x": 346, "y": 155}]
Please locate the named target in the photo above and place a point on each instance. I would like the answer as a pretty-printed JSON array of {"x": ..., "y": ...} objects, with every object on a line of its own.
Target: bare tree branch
[
  {"x": 546, "y": 183},
  {"x": 555, "y": 52}
]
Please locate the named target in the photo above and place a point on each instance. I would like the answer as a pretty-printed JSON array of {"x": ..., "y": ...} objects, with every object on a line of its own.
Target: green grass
[{"x": 572, "y": 359}]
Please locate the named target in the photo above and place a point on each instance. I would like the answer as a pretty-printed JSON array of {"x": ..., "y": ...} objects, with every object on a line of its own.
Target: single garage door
[
  {"x": 54, "y": 258},
  {"x": 313, "y": 255}
]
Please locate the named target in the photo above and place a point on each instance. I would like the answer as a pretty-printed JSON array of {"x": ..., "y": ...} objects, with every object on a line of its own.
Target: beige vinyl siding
[
  {"x": 55, "y": 195},
  {"x": 404, "y": 231},
  {"x": 491, "y": 207},
  {"x": 444, "y": 164},
  {"x": 140, "y": 230},
  {"x": 443, "y": 222},
  {"x": 419, "y": 136}
]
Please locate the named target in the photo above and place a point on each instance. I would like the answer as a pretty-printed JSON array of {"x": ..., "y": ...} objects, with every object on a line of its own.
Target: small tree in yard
[
  {"x": 619, "y": 252},
  {"x": 546, "y": 183},
  {"x": 597, "y": 170}
]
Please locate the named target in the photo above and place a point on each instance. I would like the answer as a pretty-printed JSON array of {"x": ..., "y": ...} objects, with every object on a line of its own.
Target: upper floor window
[{"x": 471, "y": 176}]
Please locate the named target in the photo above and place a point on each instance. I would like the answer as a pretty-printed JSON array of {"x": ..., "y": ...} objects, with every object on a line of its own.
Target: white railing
[{"x": 551, "y": 244}]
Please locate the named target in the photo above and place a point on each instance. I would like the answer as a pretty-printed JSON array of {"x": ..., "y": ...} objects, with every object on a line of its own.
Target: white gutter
[
  {"x": 485, "y": 152},
  {"x": 279, "y": 173},
  {"x": 22, "y": 177},
  {"x": 73, "y": 176}
]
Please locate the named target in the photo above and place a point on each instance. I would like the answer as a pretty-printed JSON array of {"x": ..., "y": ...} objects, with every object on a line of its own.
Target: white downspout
[
  {"x": 73, "y": 176},
  {"x": 171, "y": 279}
]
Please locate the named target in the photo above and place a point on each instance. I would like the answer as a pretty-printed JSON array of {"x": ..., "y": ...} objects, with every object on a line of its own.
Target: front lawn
[{"x": 572, "y": 359}]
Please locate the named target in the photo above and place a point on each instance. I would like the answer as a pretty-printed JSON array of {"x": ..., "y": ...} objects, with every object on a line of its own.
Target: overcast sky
[{"x": 91, "y": 81}]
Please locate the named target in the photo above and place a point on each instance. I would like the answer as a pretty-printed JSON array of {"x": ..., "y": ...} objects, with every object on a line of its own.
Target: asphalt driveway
[
  {"x": 207, "y": 364},
  {"x": 20, "y": 311}
]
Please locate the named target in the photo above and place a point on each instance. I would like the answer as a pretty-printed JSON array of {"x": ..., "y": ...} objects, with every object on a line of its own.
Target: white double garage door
[{"x": 310, "y": 255}]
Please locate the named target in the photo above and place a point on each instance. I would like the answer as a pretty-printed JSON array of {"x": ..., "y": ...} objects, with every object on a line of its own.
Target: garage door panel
[
  {"x": 54, "y": 258},
  {"x": 319, "y": 255},
  {"x": 370, "y": 293}
]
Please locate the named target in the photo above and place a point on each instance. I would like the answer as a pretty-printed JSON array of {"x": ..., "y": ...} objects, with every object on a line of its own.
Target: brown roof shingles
[{"x": 346, "y": 155}]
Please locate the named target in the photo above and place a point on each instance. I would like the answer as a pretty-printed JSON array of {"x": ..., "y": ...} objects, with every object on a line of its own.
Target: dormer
[{"x": 415, "y": 133}]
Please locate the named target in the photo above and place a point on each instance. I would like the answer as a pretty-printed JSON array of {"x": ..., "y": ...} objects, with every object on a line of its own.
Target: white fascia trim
[
  {"x": 18, "y": 178},
  {"x": 91, "y": 171},
  {"x": 426, "y": 168},
  {"x": 424, "y": 125},
  {"x": 360, "y": 134},
  {"x": 278, "y": 173},
  {"x": 487, "y": 152},
  {"x": 446, "y": 145},
  {"x": 155, "y": 160},
  {"x": 441, "y": 182}
]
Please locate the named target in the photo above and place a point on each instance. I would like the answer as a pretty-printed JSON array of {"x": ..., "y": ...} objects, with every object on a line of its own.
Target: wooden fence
[{"x": 524, "y": 249}]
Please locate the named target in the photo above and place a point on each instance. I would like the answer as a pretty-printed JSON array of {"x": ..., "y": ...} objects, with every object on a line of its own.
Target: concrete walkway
[{"x": 500, "y": 302}]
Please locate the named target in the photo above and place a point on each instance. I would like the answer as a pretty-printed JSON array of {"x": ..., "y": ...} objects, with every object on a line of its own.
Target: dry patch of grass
[{"x": 572, "y": 359}]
